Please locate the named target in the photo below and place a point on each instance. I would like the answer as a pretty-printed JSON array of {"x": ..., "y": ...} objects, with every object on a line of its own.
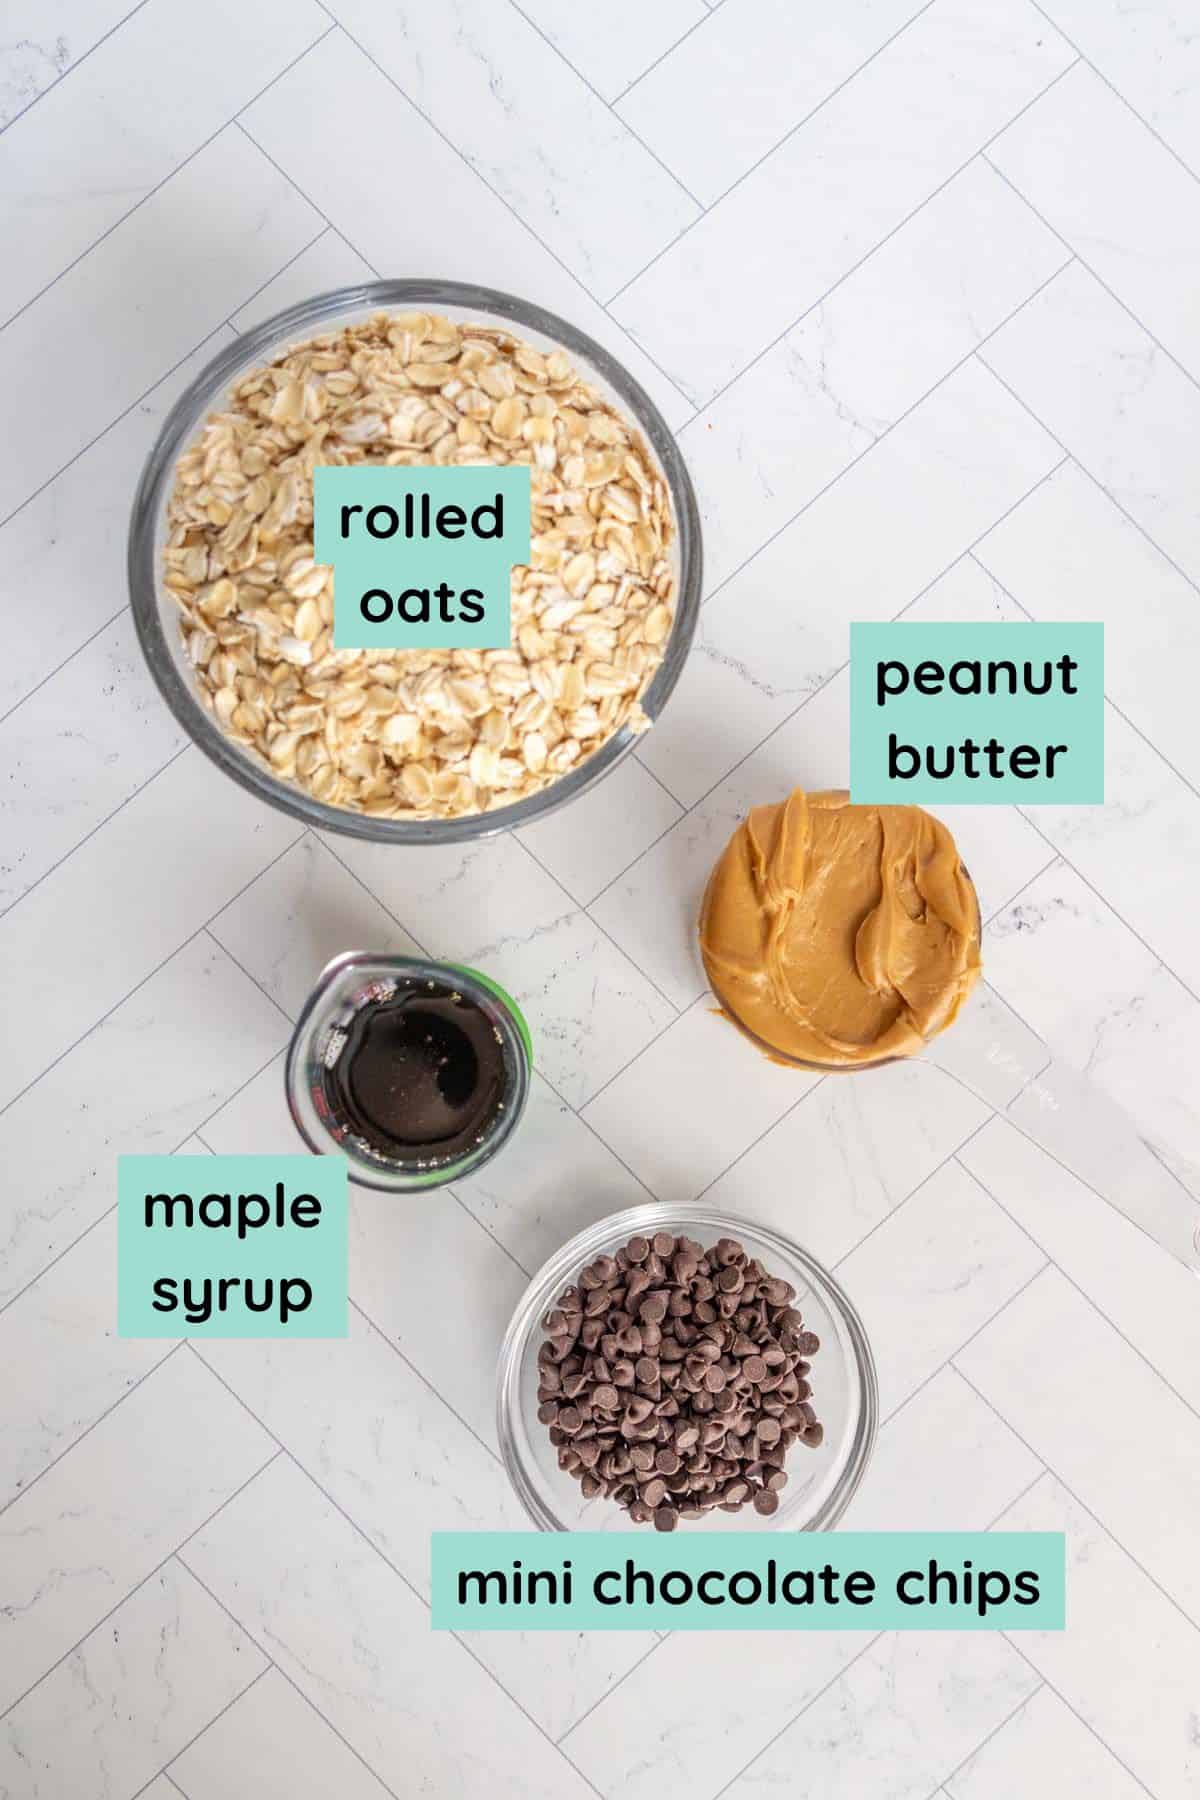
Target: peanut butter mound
[{"x": 840, "y": 935}]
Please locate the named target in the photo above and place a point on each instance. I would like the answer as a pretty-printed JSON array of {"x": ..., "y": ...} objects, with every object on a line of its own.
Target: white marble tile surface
[
  {"x": 211, "y": 61},
  {"x": 744, "y": 59},
  {"x": 1052, "y": 1346},
  {"x": 587, "y": 847},
  {"x": 835, "y": 383},
  {"x": 73, "y": 1734},
  {"x": 1124, "y": 410},
  {"x": 1151, "y": 53},
  {"x": 1127, "y": 1664},
  {"x": 215, "y": 231},
  {"x": 157, "y": 1065},
  {"x": 555, "y": 1178},
  {"x": 779, "y": 628},
  {"x": 936, "y": 1271},
  {"x": 971, "y": 1466},
  {"x": 1151, "y": 1298},
  {"x": 103, "y": 1519},
  {"x": 343, "y": 151},
  {"x": 1086, "y": 164},
  {"x": 280, "y": 1747},
  {"x": 1101, "y": 1000},
  {"x": 590, "y": 1007},
  {"x": 160, "y": 880},
  {"x": 69, "y": 540},
  {"x": 402, "y": 1466},
  {"x": 303, "y": 911},
  {"x": 45, "y": 38},
  {"x": 690, "y": 1103},
  {"x": 355, "y": 1638},
  {"x": 614, "y": 48},
  {"x": 583, "y": 183},
  {"x": 838, "y": 1162},
  {"x": 1068, "y": 552},
  {"x": 124, "y": 741},
  {"x": 62, "y": 1331},
  {"x": 900, "y": 1718},
  {"x": 1043, "y": 1735},
  {"x": 813, "y": 235},
  {"x": 945, "y": 86}
]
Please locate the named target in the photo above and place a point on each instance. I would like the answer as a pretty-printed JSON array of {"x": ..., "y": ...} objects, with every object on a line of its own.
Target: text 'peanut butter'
[{"x": 840, "y": 935}]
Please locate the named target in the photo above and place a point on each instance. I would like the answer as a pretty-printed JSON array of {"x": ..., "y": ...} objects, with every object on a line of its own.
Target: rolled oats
[{"x": 420, "y": 733}]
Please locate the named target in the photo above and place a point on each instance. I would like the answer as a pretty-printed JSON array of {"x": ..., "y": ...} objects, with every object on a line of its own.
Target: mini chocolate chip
[
  {"x": 637, "y": 1249},
  {"x": 766, "y": 1501},
  {"x": 665, "y": 1518}
]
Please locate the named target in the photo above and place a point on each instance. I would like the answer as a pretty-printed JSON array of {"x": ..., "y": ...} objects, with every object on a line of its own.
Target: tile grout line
[
  {"x": 70, "y": 656},
  {"x": 137, "y": 1587},
  {"x": 812, "y": 693},
  {"x": 578, "y": 1111},
  {"x": 778, "y": 145},
  {"x": 887, "y": 431},
  {"x": 976, "y": 155},
  {"x": 661, "y": 57},
  {"x": 1109, "y": 701},
  {"x": 495, "y": 192},
  {"x": 99, "y": 826},
  {"x": 411, "y": 1366},
  {"x": 1112, "y": 87},
  {"x": 1089, "y": 1302},
  {"x": 808, "y": 1704},
  {"x": 98, "y": 1420},
  {"x": 579, "y": 907},
  {"x": 164, "y": 1771},
  {"x": 786, "y": 1114},
  {"x": 100, "y": 1218},
  {"x": 232, "y": 1617},
  {"x": 158, "y": 185},
  {"x": 141, "y": 982},
  {"x": 645, "y": 767},
  {"x": 71, "y": 67},
  {"x": 610, "y": 108},
  {"x": 1070, "y": 456},
  {"x": 369, "y": 1541},
  {"x": 1090, "y": 1728},
  {"x": 158, "y": 381},
  {"x": 1108, "y": 905},
  {"x": 996, "y": 1729},
  {"x": 1054, "y": 1474},
  {"x": 1098, "y": 279}
]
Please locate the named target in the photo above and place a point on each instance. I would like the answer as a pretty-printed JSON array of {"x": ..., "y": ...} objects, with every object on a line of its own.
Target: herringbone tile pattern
[{"x": 917, "y": 285}]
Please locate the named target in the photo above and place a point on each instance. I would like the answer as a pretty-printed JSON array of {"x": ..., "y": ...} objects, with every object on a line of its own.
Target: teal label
[
  {"x": 981, "y": 715},
  {"x": 749, "y": 1581},
  {"x": 231, "y": 1246},
  {"x": 422, "y": 557}
]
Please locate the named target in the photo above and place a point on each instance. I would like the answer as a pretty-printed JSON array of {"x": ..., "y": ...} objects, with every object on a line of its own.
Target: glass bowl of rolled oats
[{"x": 408, "y": 746}]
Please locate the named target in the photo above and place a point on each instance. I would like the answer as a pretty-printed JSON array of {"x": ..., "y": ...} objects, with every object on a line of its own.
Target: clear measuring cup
[{"x": 359, "y": 979}]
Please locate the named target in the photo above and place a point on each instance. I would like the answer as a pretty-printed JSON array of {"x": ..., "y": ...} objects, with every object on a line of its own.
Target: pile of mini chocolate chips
[{"x": 674, "y": 1380}]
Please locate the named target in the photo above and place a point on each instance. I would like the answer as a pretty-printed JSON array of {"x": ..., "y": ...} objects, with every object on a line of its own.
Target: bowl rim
[
  {"x": 655, "y": 1214},
  {"x": 263, "y": 343}
]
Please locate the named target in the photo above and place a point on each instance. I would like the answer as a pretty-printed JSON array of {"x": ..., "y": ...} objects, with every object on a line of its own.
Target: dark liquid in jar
[{"x": 420, "y": 1076}]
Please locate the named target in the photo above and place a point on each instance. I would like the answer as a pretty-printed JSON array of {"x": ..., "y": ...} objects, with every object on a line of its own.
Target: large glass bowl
[
  {"x": 156, "y": 616},
  {"x": 845, "y": 1393}
]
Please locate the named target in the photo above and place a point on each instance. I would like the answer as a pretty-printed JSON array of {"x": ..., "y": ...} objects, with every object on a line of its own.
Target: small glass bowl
[
  {"x": 156, "y": 617},
  {"x": 348, "y": 982},
  {"x": 845, "y": 1392}
]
